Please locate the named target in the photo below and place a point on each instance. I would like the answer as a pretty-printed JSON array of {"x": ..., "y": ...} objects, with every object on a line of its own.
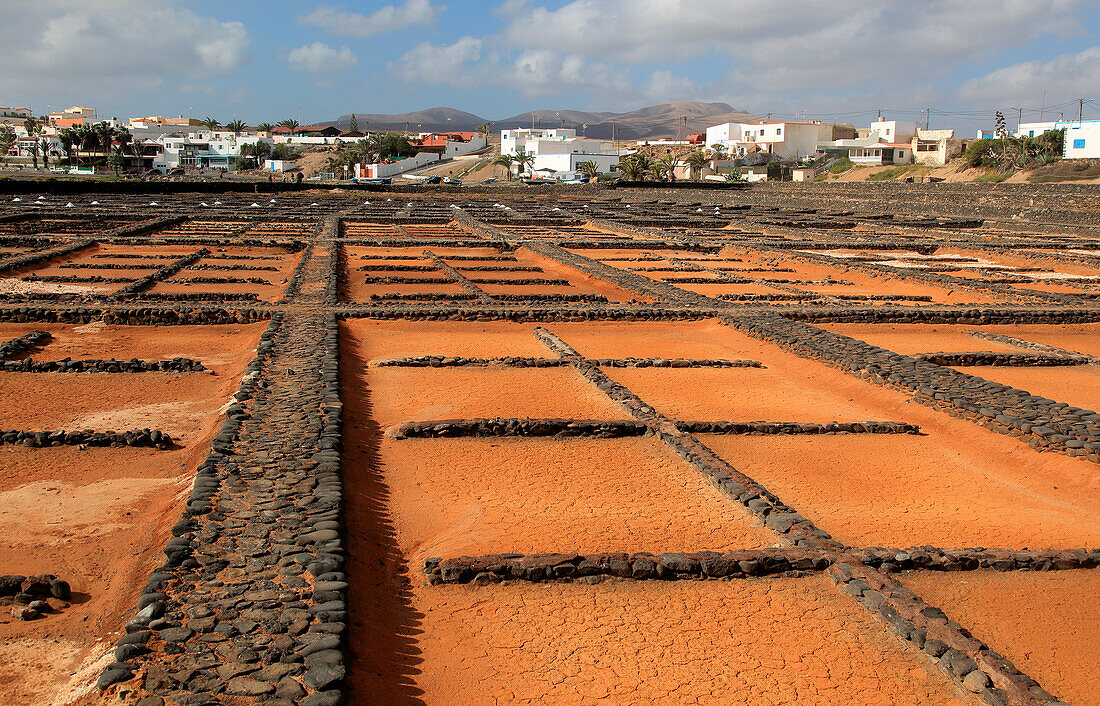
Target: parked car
[
  {"x": 59, "y": 170},
  {"x": 452, "y": 180},
  {"x": 434, "y": 179},
  {"x": 178, "y": 171}
]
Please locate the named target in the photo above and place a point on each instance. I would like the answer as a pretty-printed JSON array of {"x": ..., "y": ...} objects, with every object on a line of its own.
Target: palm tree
[
  {"x": 629, "y": 169},
  {"x": 31, "y": 126},
  {"x": 235, "y": 126},
  {"x": 125, "y": 140},
  {"x": 8, "y": 138},
  {"x": 265, "y": 127},
  {"x": 67, "y": 137},
  {"x": 506, "y": 161},
  {"x": 589, "y": 169},
  {"x": 105, "y": 136},
  {"x": 719, "y": 150},
  {"x": 290, "y": 123},
  {"x": 483, "y": 129},
  {"x": 696, "y": 160},
  {"x": 524, "y": 159},
  {"x": 666, "y": 167},
  {"x": 45, "y": 152},
  {"x": 87, "y": 140},
  {"x": 211, "y": 124},
  {"x": 34, "y": 152}
]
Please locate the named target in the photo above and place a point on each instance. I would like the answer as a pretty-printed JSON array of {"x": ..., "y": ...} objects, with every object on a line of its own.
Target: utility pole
[
  {"x": 1019, "y": 117},
  {"x": 927, "y": 117}
]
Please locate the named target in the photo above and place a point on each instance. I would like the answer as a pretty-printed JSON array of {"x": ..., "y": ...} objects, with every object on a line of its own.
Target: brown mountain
[{"x": 656, "y": 121}]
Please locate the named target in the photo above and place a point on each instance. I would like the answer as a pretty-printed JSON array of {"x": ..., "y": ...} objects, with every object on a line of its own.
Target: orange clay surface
[
  {"x": 861, "y": 282},
  {"x": 548, "y": 495},
  {"x": 905, "y": 490},
  {"x": 100, "y": 517},
  {"x": 1079, "y": 385},
  {"x": 636, "y": 642},
  {"x": 1046, "y": 623},
  {"x": 931, "y": 338},
  {"x": 379, "y": 340},
  {"x": 404, "y": 394}
]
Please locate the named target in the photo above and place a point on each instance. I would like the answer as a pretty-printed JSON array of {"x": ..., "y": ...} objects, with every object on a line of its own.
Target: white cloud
[
  {"x": 385, "y": 19},
  {"x": 789, "y": 45},
  {"x": 451, "y": 64},
  {"x": 1063, "y": 78},
  {"x": 320, "y": 58},
  {"x": 109, "y": 47}
]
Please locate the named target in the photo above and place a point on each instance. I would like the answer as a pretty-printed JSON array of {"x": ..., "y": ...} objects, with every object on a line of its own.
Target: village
[{"x": 76, "y": 141}]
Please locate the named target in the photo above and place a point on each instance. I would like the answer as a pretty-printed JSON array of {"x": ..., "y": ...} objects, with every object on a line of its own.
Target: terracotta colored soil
[
  {"x": 1045, "y": 623},
  {"x": 375, "y": 340},
  {"x": 100, "y": 517},
  {"x": 920, "y": 338},
  {"x": 1078, "y": 385},
  {"x": 622, "y": 642},
  {"x": 706, "y": 338},
  {"x": 453, "y": 497},
  {"x": 903, "y": 490},
  {"x": 404, "y": 394}
]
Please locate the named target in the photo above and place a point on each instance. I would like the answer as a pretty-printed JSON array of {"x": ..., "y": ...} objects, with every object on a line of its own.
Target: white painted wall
[{"x": 1082, "y": 140}]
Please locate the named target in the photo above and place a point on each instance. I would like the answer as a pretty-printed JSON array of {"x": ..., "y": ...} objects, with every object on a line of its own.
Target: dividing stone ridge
[{"x": 508, "y": 365}]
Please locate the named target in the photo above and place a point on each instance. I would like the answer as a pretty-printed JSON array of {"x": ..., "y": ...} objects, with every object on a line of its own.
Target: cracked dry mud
[{"x": 556, "y": 531}]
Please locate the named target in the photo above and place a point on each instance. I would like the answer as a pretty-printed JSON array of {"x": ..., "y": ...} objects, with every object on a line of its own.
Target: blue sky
[{"x": 260, "y": 59}]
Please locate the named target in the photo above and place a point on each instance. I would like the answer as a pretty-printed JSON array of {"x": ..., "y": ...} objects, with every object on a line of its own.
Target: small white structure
[
  {"x": 894, "y": 130},
  {"x": 280, "y": 165},
  {"x": 1082, "y": 140},
  {"x": 933, "y": 147},
  {"x": 802, "y": 174}
]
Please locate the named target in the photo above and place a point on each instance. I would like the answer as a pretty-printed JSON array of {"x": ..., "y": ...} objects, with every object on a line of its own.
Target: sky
[{"x": 266, "y": 60}]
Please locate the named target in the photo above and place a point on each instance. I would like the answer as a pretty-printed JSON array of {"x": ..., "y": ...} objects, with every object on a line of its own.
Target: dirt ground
[
  {"x": 1045, "y": 623},
  {"x": 99, "y": 518},
  {"x": 637, "y": 642}
]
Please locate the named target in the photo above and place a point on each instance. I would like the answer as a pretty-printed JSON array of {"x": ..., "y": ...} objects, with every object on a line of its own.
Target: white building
[
  {"x": 203, "y": 149},
  {"x": 786, "y": 140},
  {"x": 558, "y": 152},
  {"x": 15, "y": 113},
  {"x": 894, "y": 130},
  {"x": 1082, "y": 140}
]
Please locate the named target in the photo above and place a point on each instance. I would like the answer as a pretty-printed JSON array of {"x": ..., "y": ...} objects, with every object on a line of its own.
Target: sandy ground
[
  {"x": 931, "y": 338},
  {"x": 1078, "y": 385},
  {"x": 378, "y": 340},
  {"x": 1045, "y": 623},
  {"x": 99, "y": 517},
  {"x": 547, "y": 495},
  {"x": 404, "y": 394},
  {"x": 904, "y": 490},
  {"x": 644, "y": 642}
]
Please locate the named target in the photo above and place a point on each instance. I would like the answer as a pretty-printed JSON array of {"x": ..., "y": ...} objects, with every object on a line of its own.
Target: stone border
[
  {"x": 100, "y": 365},
  {"x": 44, "y": 439}
]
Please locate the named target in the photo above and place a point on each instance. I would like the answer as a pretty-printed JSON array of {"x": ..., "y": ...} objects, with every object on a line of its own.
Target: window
[
  {"x": 901, "y": 154},
  {"x": 778, "y": 131},
  {"x": 1078, "y": 144}
]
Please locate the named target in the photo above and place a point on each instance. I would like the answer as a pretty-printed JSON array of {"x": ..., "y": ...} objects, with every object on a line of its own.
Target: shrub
[{"x": 842, "y": 165}]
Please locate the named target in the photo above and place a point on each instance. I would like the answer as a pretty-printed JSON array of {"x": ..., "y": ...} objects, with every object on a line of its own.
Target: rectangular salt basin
[
  {"x": 643, "y": 642},
  {"x": 905, "y": 490},
  {"x": 1045, "y": 623},
  {"x": 463, "y": 496}
]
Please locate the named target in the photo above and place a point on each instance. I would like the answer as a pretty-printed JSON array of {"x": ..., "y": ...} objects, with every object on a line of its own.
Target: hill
[{"x": 653, "y": 122}]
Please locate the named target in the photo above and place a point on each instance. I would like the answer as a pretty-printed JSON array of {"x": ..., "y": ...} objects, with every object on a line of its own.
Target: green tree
[
  {"x": 235, "y": 126},
  {"x": 283, "y": 151},
  {"x": 524, "y": 160},
  {"x": 697, "y": 160},
  {"x": 719, "y": 150},
  {"x": 353, "y": 126},
  {"x": 45, "y": 146},
  {"x": 483, "y": 129},
  {"x": 34, "y": 152},
  {"x": 30, "y": 125},
  {"x": 8, "y": 138},
  {"x": 67, "y": 137},
  {"x": 589, "y": 169},
  {"x": 265, "y": 127},
  {"x": 394, "y": 146},
  {"x": 125, "y": 140},
  {"x": 504, "y": 160},
  {"x": 211, "y": 124},
  {"x": 290, "y": 123},
  {"x": 665, "y": 168}
]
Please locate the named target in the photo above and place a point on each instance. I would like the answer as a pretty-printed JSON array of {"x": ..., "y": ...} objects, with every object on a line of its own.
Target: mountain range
[{"x": 656, "y": 121}]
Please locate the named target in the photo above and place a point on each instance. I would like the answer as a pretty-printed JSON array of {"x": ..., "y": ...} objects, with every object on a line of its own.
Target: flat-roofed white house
[
  {"x": 1082, "y": 140},
  {"x": 558, "y": 152},
  {"x": 785, "y": 140}
]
